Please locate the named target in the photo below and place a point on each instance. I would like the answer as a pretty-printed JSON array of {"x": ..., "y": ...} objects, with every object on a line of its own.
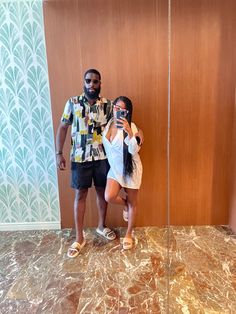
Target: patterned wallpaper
[{"x": 28, "y": 177}]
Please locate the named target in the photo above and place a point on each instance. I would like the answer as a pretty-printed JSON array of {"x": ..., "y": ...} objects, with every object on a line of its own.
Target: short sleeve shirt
[{"x": 87, "y": 124}]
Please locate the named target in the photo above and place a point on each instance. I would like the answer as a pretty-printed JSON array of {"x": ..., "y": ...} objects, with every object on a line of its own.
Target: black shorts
[{"x": 82, "y": 174}]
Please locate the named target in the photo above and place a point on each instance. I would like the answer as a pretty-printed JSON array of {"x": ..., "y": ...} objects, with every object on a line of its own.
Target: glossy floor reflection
[{"x": 37, "y": 277}]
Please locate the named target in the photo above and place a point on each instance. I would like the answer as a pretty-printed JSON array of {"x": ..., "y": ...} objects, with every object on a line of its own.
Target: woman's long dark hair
[{"x": 127, "y": 157}]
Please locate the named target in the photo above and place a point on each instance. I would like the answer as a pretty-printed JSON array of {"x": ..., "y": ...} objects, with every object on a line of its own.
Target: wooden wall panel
[
  {"x": 126, "y": 41},
  {"x": 232, "y": 207},
  {"x": 65, "y": 77},
  {"x": 202, "y": 104}
]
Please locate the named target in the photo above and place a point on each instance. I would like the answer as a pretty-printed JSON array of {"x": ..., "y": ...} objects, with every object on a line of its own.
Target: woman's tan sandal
[
  {"x": 127, "y": 243},
  {"x": 75, "y": 249}
]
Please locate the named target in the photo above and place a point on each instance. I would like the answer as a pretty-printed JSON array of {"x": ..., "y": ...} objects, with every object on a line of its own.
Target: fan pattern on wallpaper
[{"x": 28, "y": 179}]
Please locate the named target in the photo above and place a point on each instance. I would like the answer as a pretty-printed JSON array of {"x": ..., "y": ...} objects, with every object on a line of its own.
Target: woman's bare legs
[
  {"x": 112, "y": 193},
  {"x": 132, "y": 196}
]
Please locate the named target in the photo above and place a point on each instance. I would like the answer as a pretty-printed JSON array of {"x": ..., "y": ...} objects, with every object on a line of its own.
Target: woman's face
[{"x": 120, "y": 105}]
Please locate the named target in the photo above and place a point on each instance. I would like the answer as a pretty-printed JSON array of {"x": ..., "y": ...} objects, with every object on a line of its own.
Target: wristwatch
[{"x": 59, "y": 152}]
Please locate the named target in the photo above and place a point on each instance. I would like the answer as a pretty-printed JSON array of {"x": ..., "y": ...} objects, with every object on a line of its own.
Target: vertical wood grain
[
  {"x": 126, "y": 41},
  {"x": 202, "y": 94}
]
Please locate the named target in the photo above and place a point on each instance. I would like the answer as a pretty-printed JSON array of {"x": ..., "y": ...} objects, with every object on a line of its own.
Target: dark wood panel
[
  {"x": 232, "y": 184},
  {"x": 65, "y": 76},
  {"x": 202, "y": 94},
  {"x": 127, "y": 41}
]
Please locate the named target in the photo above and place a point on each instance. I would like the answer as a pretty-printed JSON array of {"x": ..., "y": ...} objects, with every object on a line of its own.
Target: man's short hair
[{"x": 93, "y": 71}]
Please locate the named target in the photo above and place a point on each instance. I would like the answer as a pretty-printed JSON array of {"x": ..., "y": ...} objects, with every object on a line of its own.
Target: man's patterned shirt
[{"x": 87, "y": 123}]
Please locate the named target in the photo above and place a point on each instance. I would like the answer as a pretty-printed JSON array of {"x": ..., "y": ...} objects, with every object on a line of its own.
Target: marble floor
[{"x": 197, "y": 274}]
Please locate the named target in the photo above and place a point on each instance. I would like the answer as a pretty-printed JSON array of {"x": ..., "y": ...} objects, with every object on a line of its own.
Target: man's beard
[{"x": 92, "y": 94}]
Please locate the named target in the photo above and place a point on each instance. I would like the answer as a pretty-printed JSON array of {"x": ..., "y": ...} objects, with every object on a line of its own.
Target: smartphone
[{"x": 120, "y": 114}]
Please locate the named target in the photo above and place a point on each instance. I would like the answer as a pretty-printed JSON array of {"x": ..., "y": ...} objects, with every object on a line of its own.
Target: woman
[{"x": 122, "y": 148}]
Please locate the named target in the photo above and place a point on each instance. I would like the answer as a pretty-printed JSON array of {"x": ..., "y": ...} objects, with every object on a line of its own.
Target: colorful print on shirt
[{"x": 87, "y": 123}]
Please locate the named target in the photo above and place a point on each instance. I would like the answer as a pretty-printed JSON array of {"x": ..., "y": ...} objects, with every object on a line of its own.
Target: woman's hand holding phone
[
  {"x": 119, "y": 114},
  {"x": 124, "y": 124}
]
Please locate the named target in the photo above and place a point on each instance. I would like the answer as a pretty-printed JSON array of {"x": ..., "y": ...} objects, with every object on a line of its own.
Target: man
[{"x": 87, "y": 114}]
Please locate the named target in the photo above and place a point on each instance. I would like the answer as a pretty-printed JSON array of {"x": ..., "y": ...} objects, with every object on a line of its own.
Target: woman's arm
[
  {"x": 140, "y": 135},
  {"x": 131, "y": 141}
]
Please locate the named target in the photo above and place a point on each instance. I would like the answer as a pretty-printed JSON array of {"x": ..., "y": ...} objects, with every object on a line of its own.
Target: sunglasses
[
  {"x": 117, "y": 108},
  {"x": 88, "y": 81}
]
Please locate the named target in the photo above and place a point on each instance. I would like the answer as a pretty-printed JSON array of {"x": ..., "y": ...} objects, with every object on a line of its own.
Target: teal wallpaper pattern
[{"x": 28, "y": 178}]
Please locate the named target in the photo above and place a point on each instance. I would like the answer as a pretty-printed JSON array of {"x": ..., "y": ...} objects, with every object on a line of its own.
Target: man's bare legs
[
  {"x": 102, "y": 229},
  {"x": 79, "y": 211},
  {"x": 102, "y": 207}
]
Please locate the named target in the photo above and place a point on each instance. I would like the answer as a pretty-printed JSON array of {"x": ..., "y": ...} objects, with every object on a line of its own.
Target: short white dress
[{"x": 114, "y": 152}]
